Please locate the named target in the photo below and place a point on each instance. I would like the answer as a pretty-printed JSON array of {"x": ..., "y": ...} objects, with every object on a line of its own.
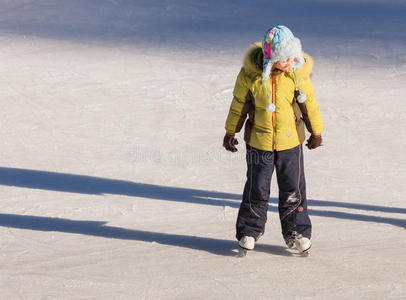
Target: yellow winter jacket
[{"x": 276, "y": 130}]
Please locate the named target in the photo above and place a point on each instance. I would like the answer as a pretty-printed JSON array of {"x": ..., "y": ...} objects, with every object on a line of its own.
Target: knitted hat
[{"x": 279, "y": 44}]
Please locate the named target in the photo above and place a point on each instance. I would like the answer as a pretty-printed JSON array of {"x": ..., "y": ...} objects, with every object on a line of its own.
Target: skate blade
[
  {"x": 307, "y": 250},
  {"x": 305, "y": 253},
  {"x": 242, "y": 252}
]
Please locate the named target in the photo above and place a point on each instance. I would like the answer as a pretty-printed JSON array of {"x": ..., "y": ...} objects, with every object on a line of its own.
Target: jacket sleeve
[
  {"x": 239, "y": 105},
  {"x": 311, "y": 106}
]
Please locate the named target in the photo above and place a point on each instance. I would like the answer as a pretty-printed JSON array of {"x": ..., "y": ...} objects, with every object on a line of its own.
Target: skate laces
[{"x": 292, "y": 239}]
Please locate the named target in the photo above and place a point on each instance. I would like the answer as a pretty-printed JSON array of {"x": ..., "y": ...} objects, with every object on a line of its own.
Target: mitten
[
  {"x": 229, "y": 143},
  {"x": 314, "y": 141}
]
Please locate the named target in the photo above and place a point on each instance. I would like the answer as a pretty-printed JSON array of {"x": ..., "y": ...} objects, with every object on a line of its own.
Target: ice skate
[
  {"x": 302, "y": 244},
  {"x": 247, "y": 242},
  {"x": 299, "y": 242}
]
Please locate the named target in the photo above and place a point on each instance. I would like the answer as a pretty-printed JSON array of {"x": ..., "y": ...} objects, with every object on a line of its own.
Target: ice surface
[{"x": 113, "y": 180}]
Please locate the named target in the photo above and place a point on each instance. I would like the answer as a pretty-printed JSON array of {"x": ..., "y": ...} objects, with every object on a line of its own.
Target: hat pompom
[
  {"x": 270, "y": 107},
  {"x": 301, "y": 98}
]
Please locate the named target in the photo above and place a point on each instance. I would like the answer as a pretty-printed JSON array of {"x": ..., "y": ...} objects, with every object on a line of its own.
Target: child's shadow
[{"x": 95, "y": 228}]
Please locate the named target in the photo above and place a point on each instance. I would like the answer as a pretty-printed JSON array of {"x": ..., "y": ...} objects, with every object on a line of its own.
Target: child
[{"x": 274, "y": 89}]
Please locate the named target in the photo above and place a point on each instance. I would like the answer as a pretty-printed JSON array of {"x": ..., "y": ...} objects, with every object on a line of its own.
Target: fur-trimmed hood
[{"x": 253, "y": 61}]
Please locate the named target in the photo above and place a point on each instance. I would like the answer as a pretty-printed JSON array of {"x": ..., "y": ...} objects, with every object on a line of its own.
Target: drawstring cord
[
  {"x": 270, "y": 107},
  {"x": 297, "y": 82},
  {"x": 302, "y": 97}
]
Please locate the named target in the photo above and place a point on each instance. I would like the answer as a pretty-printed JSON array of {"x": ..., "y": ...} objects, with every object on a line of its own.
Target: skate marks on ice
[{"x": 100, "y": 229}]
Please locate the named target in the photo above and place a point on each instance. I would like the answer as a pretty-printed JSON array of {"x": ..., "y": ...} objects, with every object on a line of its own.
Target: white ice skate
[
  {"x": 247, "y": 242},
  {"x": 301, "y": 243}
]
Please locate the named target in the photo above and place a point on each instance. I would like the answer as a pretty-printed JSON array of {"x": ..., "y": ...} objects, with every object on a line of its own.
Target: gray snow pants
[{"x": 292, "y": 207}]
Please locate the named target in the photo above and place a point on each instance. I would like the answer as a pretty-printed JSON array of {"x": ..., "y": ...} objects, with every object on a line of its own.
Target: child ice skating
[{"x": 273, "y": 89}]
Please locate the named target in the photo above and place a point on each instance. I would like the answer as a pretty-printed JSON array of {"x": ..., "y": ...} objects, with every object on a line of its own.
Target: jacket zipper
[{"x": 274, "y": 113}]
